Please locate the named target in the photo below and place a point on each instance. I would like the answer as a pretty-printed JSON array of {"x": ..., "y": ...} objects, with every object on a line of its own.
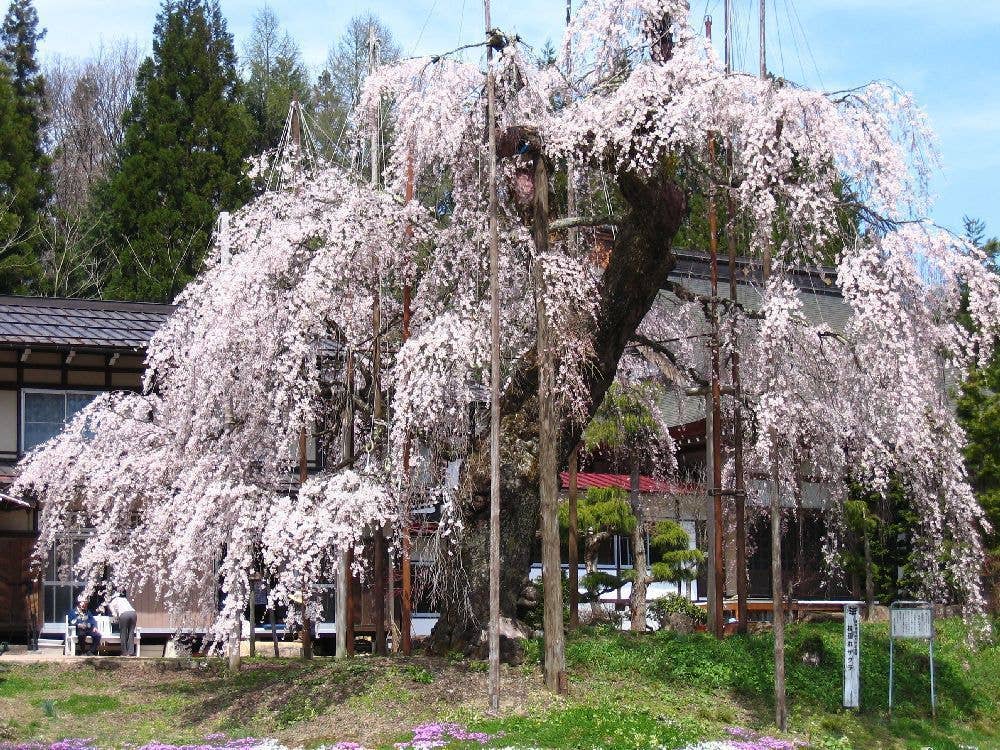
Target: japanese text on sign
[
  {"x": 912, "y": 623},
  {"x": 852, "y": 655}
]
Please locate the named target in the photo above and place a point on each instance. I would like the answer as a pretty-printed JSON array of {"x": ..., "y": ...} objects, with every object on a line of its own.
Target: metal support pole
[
  {"x": 933, "y": 694},
  {"x": 892, "y": 654}
]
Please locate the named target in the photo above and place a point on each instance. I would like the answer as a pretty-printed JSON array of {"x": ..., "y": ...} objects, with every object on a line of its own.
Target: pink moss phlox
[{"x": 439, "y": 734}]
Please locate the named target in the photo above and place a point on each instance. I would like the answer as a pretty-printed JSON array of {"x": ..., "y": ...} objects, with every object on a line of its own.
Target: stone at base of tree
[
  {"x": 600, "y": 616},
  {"x": 513, "y": 635},
  {"x": 170, "y": 665},
  {"x": 878, "y": 613},
  {"x": 529, "y": 597},
  {"x": 947, "y": 610},
  {"x": 810, "y": 659},
  {"x": 821, "y": 617},
  {"x": 677, "y": 622},
  {"x": 754, "y": 627}
]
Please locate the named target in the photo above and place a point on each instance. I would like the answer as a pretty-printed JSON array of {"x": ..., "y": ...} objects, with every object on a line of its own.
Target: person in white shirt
[{"x": 125, "y": 614}]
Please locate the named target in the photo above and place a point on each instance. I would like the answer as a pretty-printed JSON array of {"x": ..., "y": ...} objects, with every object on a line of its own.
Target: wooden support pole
[
  {"x": 717, "y": 571},
  {"x": 307, "y": 650},
  {"x": 351, "y": 613},
  {"x": 379, "y": 574},
  {"x": 711, "y": 600},
  {"x": 573, "y": 553},
  {"x": 344, "y": 587},
  {"x": 378, "y": 403},
  {"x": 762, "y": 14},
  {"x": 777, "y": 593},
  {"x": 493, "y": 634},
  {"x": 306, "y": 634},
  {"x": 343, "y": 604},
  {"x": 716, "y": 478},
  {"x": 235, "y": 658},
  {"x": 273, "y": 619},
  {"x": 253, "y": 617},
  {"x": 800, "y": 540},
  {"x": 404, "y": 640},
  {"x": 777, "y": 605},
  {"x": 548, "y": 447},
  {"x": 574, "y": 542},
  {"x": 739, "y": 483},
  {"x": 392, "y": 627},
  {"x": 406, "y": 597}
]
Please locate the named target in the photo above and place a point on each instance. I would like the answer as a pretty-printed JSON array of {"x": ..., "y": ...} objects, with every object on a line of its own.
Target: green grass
[
  {"x": 627, "y": 691},
  {"x": 739, "y": 670},
  {"x": 603, "y": 725},
  {"x": 24, "y": 681},
  {"x": 79, "y": 705}
]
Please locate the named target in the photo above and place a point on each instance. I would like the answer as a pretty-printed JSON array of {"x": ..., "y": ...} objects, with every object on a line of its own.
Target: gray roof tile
[
  {"x": 821, "y": 303},
  {"x": 54, "y": 322}
]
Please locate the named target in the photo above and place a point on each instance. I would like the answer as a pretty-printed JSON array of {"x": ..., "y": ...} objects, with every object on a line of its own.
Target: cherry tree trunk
[{"x": 637, "y": 269}]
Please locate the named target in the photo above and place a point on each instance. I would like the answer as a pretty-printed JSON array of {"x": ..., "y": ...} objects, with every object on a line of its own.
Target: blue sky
[{"x": 946, "y": 53}]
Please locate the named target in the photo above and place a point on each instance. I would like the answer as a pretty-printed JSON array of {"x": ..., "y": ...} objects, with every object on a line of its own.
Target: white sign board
[
  {"x": 852, "y": 655},
  {"x": 913, "y": 622}
]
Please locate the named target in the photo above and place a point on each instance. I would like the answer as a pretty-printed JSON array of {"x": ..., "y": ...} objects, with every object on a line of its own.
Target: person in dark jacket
[{"x": 86, "y": 625}]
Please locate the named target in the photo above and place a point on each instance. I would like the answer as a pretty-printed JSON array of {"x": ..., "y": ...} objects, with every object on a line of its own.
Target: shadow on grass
[{"x": 271, "y": 694}]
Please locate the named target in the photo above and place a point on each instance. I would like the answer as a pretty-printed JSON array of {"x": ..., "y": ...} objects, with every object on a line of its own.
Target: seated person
[{"x": 86, "y": 625}]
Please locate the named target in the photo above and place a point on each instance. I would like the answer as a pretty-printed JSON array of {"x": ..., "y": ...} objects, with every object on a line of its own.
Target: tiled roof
[
  {"x": 696, "y": 264},
  {"x": 585, "y": 480},
  {"x": 821, "y": 299},
  {"x": 822, "y": 303},
  {"x": 7, "y": 476},
  {"x": 55, "y": 322}
]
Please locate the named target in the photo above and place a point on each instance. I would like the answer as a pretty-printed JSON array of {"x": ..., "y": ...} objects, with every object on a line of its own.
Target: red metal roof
[{"x": 585, "y": 480}]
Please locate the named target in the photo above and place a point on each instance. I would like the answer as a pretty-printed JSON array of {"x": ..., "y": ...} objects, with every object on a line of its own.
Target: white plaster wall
[{"x": 8, "y": 421}]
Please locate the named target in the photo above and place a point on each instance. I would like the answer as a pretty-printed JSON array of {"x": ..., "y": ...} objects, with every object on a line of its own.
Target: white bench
[{"x": 107, "y": 636}]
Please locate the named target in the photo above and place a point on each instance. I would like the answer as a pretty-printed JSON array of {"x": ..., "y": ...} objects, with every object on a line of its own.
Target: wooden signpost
[{"x": 852, "y": 654}]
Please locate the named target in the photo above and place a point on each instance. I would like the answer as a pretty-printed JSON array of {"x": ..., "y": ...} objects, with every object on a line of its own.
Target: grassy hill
[{"x": 628, "y": 691}]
